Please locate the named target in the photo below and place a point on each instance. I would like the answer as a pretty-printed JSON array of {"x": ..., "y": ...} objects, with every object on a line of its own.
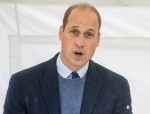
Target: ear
[
  {"x": 61, "y": 32},
  {"x": 98, "y": 38}
]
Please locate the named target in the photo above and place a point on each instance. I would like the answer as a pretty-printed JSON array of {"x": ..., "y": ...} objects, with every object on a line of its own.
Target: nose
[{"x": 80, "y": 42}]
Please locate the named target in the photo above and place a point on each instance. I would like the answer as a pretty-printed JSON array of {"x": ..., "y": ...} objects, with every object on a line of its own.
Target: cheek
[
  {"x": 64, "y": 41},
  {"x": 92, "y": 46},
  {"x": 91, "y": 49},
  {"x": 68, "y": 42},
  {"x": 66, "y": 45}
]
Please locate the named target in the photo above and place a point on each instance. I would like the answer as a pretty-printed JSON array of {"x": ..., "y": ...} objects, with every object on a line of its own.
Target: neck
[{"x": 70, "y": 66}]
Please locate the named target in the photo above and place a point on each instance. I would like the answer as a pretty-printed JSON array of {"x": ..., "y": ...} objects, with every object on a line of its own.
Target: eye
[
  {"x": 89, "y": 34},
  {"x": 74, "y": 32}
]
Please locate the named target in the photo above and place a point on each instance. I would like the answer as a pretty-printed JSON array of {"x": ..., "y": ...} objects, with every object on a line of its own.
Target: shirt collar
[{"x": 65, "y": 71}]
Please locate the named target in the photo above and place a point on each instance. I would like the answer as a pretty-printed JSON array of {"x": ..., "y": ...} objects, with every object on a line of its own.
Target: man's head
[
  {"x": 81, "y": 6},
  {"x": 79, "y": 35}
]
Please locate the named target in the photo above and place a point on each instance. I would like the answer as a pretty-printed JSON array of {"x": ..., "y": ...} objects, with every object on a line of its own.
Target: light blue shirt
[{"x": 65, "y": 71}]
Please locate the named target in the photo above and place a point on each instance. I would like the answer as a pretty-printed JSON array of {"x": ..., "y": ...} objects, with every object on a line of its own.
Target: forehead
[{"x": 83, "y": 17}]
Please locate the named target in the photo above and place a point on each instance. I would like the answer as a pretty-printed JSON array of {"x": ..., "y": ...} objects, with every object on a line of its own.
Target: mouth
[{"x": 78, "y": 53}]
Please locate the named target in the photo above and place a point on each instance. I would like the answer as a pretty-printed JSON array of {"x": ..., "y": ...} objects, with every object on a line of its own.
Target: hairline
[{"x": 81, "y": 6}]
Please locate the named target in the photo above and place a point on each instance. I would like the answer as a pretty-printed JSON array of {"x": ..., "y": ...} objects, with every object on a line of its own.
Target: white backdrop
[{"x": 28, "y": 36}]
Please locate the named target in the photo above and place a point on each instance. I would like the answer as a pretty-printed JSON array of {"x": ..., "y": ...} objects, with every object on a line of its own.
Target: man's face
[{"x": 79, "y": 38}]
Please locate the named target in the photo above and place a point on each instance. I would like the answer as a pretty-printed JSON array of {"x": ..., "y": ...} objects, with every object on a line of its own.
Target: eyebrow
[
  {"x": 91, "y": 30},
  {"x": 74, "y": 26},
  {"x": 87, "y": 29}
]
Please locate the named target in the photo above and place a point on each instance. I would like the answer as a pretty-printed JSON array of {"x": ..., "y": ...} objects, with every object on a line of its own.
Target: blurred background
[{"x": 29, "y": 36}]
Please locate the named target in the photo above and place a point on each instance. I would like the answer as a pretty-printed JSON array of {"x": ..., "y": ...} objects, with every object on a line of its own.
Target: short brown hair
[{"x": 84, "y": 6}]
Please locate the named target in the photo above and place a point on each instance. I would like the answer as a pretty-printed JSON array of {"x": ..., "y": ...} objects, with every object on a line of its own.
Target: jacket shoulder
[
  {"x": 32, "y": 71},
  {"x": 106, "y": 73}
]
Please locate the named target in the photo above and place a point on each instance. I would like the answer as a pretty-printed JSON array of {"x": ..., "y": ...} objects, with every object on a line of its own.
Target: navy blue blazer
[{"x": 36, "y": 91}]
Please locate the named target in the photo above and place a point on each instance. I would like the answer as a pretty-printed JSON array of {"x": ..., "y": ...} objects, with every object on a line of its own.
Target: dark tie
[{"x": 75, "y": 75}]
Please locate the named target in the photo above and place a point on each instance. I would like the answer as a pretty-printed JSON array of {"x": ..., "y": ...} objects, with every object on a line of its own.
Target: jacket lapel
[
  {"x": 92, "y": 86},
  {"x": 50, "y": 88}
]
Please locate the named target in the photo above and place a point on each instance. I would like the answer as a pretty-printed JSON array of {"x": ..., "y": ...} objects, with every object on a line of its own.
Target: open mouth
[{"x": 79, "y": 53}]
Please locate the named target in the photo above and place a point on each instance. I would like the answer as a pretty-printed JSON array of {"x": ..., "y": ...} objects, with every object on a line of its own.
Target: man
[{"x": 70, "y": 82}]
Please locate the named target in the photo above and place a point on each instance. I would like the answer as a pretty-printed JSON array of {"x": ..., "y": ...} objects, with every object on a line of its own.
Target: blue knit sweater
[{"x": 71, "y": 92}]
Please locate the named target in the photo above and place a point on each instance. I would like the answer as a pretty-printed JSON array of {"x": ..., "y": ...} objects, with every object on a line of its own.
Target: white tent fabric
[{"x": 28, "y": 36}]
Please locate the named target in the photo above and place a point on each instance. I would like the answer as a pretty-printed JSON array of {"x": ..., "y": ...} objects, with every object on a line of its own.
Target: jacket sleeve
[
  {"x": 123, "y": 103},
  {"x": 14, "y": 101}
]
